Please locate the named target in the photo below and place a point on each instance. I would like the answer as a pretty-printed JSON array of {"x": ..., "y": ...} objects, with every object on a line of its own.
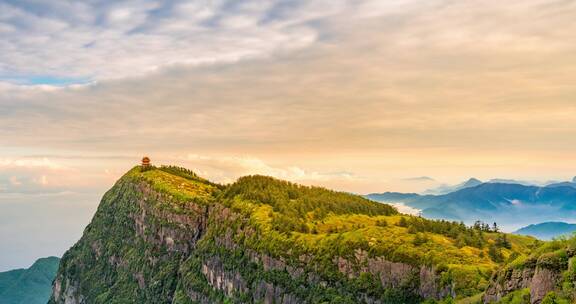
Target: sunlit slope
[{"x": 165, "y": 235}]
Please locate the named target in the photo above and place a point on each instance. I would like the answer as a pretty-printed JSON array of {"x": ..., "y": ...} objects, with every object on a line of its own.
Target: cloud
[
  {"x": 31, "y": 176},
  {"x": 14, "y": 181},
  {"x": 30, "y": 163},
  {"x": 226, "y": 169},
  {"x": 406, "y": 209},
  {"x": 516, "y": 202},
  {"x": 43, "y": 175},
  {"x": 65, "y": 43},
  {"x": 420, "y": 179},
  {"x": 388, "y": 88}
]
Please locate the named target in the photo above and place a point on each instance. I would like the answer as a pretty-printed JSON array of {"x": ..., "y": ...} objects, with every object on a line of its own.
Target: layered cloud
[
  {"x": 226, "y": 169},
  {"x": 30, "y": 163},
  {"x": 390, "y": 88},
  {"x": 29, "y": 176},
  {"x": 61, "y": 42}
]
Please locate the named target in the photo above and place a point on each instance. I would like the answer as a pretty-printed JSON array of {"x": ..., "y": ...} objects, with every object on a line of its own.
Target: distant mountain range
[
  {"x": 548, "y": 230},
  {"x": 473, "y": 182},
  {"x": 444, "y": 189},
  {"x": 511, "y": 204},
  {"x": 564, "y": 184},
  {"x": 29, "y": 286}
]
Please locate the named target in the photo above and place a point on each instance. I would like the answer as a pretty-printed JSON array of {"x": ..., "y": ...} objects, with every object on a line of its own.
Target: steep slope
[
  {"x": 547, "y": 275},
  {"x": 167, "y": 236},
  {"x": 548, "y": 230},
  {"x": 29, "y": 286}
]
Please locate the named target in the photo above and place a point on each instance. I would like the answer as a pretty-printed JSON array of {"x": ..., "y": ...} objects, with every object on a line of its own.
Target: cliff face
[
  {"x": 167, "y": 236},
  {"x": 131, "y": 250},
  {"x": 548, "y": 272},
  {"x": 540, "y": 282}
]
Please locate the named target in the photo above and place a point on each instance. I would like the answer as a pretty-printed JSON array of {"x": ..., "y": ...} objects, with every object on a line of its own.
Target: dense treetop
[{"x": 297, "y": 201}]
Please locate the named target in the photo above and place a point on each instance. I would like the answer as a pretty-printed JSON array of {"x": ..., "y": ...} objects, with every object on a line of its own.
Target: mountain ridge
[
  {"x": 492, "y": 200},
  {"x": 547, "y": 230},
  {"x": 165, "y": 235},
  {"x": 31, "y": 285},
  {"x": 444, "y": 189}
]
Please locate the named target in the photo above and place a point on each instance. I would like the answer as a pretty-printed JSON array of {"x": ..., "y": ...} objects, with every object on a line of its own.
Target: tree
[
  {"x": 502, "y": 241},
  {"x": 552, "y": 298},
  {"x": 403, "y": 222},
  {"x": 419, "y": 239},
  {"x": 495, "y": 254},
  {"x": 381, "y": 223}
]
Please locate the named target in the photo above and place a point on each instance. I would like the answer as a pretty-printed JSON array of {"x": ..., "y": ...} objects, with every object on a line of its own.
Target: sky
[{"x": 355, "y": 95}]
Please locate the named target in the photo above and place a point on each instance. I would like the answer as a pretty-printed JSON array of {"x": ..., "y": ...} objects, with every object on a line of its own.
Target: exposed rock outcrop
[
  {"x": 396, "y": 275},
  {"x": 539, "y": 280},
  {"x": 511, "y": 280}
]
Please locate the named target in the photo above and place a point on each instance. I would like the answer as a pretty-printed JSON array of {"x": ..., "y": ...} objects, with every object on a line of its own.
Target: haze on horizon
[{"x": 361, "y": 96}]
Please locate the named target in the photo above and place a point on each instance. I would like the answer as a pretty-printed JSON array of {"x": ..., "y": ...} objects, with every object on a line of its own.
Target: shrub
[{"x": 557, "y": 260}]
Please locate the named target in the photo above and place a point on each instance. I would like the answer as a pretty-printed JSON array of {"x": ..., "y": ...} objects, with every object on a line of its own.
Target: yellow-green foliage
[
  {"x": 294, "y": 220},
  {"x": 469, "y": 268},
  {"x": 183, "y": 187},
  {"x": 517, "y": 297},
  {"x": 552, "y": 298},
  {"x": 552, "y": 255},
  {"x": 475, "y": 299}
]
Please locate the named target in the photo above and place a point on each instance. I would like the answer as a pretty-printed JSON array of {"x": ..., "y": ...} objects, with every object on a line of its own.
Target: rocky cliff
[
  {"x": 166, "y": 235},
  {"x": 549, "y": 272}
]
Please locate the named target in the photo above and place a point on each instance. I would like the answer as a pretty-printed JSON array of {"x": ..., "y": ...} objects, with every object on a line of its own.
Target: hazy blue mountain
[
  {"x": 548, "y": 230},
  {"x": 507, "y": 203},
  {"x": 420, "y": 179},
  {"x": 564, "y": 184},
  {"x": 513, "y": 181},
  {"x": 29, "y": 286},
  {"x": 394, "y": 197},
  {"x": 445, "y": 189},
  {"x": 473, "y": 182}
]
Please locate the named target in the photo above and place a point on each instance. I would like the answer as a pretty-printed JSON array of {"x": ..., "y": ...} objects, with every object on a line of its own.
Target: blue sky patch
[{"x": 46, "y": 80}]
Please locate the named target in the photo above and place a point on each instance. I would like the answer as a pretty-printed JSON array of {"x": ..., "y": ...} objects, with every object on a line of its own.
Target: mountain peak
[
  {"x": 444, "y": 189},
  {"x": 547, "y": 230},
  {"x": 472, "y": 182},
  {"x": 574, "y": 179}
]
